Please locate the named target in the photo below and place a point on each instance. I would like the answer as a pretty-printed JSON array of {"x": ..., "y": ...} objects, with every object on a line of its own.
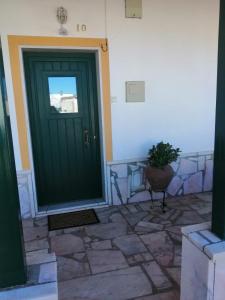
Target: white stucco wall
[{"x": 173, "y": 48}]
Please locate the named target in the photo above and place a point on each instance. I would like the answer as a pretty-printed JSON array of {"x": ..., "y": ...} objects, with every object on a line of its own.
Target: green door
[
  {"x": 64, "y": 124},
  {"x": 12, "y": 267}
]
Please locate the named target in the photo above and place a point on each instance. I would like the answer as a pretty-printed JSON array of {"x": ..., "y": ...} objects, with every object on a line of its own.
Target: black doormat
[{"x": 73, "y": 219}]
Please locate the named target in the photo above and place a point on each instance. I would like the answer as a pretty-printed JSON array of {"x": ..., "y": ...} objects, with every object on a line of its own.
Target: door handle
[{"x": 86, "y": 138}]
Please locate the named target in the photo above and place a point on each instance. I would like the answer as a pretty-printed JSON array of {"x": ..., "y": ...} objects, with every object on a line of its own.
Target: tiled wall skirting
[
  {"x": 127, "y": 184},
  {"x": 26, "y": 193},
  {"x": 193, "y": 174}
]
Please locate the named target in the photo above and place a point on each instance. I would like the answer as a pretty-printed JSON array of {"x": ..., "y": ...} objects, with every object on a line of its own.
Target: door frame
[{"x": 106, "y": 149}]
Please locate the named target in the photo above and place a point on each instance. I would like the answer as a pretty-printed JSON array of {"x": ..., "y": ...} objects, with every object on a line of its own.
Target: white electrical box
[
  {"x": 135, "y": 91},
  {"x": 133, "y": 9}
]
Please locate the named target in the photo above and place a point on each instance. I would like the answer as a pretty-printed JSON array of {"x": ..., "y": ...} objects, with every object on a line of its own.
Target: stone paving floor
[{"x": 133, "y": 253}]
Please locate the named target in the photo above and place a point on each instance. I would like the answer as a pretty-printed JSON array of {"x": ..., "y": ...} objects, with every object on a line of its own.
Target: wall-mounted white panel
[
  {"x": 133, "y": 8},
  {"x": 135, "y": 91}
]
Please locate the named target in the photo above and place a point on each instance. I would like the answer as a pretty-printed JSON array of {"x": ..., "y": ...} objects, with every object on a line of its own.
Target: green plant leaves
[{"x": 162, "y": 154}]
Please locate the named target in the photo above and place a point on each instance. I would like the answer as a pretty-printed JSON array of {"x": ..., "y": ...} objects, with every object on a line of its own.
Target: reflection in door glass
[{"x": 63, "y": 94}]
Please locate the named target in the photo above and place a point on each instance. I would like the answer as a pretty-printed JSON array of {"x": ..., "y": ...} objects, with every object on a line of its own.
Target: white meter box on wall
[
  {"x": 135, "y": 91},
  {"x": 133, "y": 8}
]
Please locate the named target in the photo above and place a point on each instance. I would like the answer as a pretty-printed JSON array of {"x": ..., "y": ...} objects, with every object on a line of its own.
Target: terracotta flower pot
[{"x": 159, "y": 179}]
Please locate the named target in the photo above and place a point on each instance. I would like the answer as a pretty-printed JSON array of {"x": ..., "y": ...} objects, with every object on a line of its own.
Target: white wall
[{"x": 173, "y": 48}]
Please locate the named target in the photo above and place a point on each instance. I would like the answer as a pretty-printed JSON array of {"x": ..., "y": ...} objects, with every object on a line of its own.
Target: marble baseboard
[
  {"x": 193, "y": 174},
  {"x": 202, "y": 272},
  {"x": 26, "y": 193},
  {"x": 126, "y": 182}
]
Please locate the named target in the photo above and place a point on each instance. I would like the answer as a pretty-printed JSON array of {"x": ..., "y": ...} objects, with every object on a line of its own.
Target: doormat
[{"x": 72, "y": 219}]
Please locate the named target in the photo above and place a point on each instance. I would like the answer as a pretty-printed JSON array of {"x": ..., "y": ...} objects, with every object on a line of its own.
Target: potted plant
[{"x": 159, "y": 173}]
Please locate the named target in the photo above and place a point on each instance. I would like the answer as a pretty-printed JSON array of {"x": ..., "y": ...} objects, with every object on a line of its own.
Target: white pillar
[{"x": 203, "y": 264}]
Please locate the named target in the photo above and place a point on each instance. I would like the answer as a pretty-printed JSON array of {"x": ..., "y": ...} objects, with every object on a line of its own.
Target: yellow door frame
[{"x": 15, "y": 44}]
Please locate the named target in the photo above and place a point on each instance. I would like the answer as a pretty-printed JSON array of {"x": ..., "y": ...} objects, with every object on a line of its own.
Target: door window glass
[{"x": 63, "y": 94}]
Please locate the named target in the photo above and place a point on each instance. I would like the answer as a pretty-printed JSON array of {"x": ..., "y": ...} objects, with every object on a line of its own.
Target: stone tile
[
  {"x": 186, "y": 209},
  {"x": 134, "y": 218},
  {"x": 116, "y": 285},
  {"x": 187, "y": 167},
  {"x": 175, "y": 215},
  {"x": 140, "y": 196},
  {"x": 57, "y": 232},
  {"x": 118, "y": 218},
  {"x": 173, "y": 295},
  {"x": 48, "y": 272},
  {"x": 108, "y": 210},
  {"x": 193, "y": 184},
  {"x": 169, "y": 214},
  {"x": 27, "y": 222},
  {"x": 147, "y": 256},
  {"x": 205, "y": 197},
  {"x": 202, "y": 208},
  {"x": 208, "y": 180},
  {"x": 207, "y": 217},
  {"x": 177, "y": 256},
  {"x": 175, "y": 273},
  {"x": 145, "y": 206},
  {"x": 106, "y": 260},
  {"x": 39, "y": 257},
  {"x": 87, "y": 239},
  {"x": 34, "y": 233},
  {"x": 174, "y": 186},
  {"x": 33, "y": 272},
  {"x": 201, "y": 163},
  {"x": 101, "y": 245},
  {"x": 157, "y": 276},
  {"x": 116, "y": 200},
  {"x": 175, "y": 237},
  {"x": 122, "y": 184},
  {"x": 132, "y": 209},
  {"x": 66, "y": 244},
  {"x": 149, "y": 217},
  {"x": 120, "y": 170},
  {"x": 36, "y": 245},
  {"x": 43, "y": 221},
  {"x": 189, "y": 217},
  {"x": 143, "y": 226},
  {"x": 123, "y": 210},
  {"x": 72, "y": 230},
  {"x": 160, "y": 246},
  {"x": 107, "y": 231},
  {"x": 130, "y": 244},
  {"x": 138, "y": 258},
  {"x": 69, "y": 268},
  {"x": 79, "y": 256},
  {"x": 131, "y": 260}
]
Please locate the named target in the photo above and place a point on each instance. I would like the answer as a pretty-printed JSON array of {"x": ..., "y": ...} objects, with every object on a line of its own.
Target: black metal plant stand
[{"x": 163, "y": 203}]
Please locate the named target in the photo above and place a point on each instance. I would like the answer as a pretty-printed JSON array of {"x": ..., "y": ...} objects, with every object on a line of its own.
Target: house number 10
[{"x": 82, "y": 27}]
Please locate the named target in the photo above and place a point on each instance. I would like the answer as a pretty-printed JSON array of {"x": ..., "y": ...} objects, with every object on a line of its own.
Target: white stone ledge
[
  {"x": 203, "y": 264},
  {"x": 40, "y": 257},
  {"x": 46, "y": 286},
  {"x": 193, "y": 228},
  {"x": 215, "y": 251},
  {"x": 48, "y": 291}
]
